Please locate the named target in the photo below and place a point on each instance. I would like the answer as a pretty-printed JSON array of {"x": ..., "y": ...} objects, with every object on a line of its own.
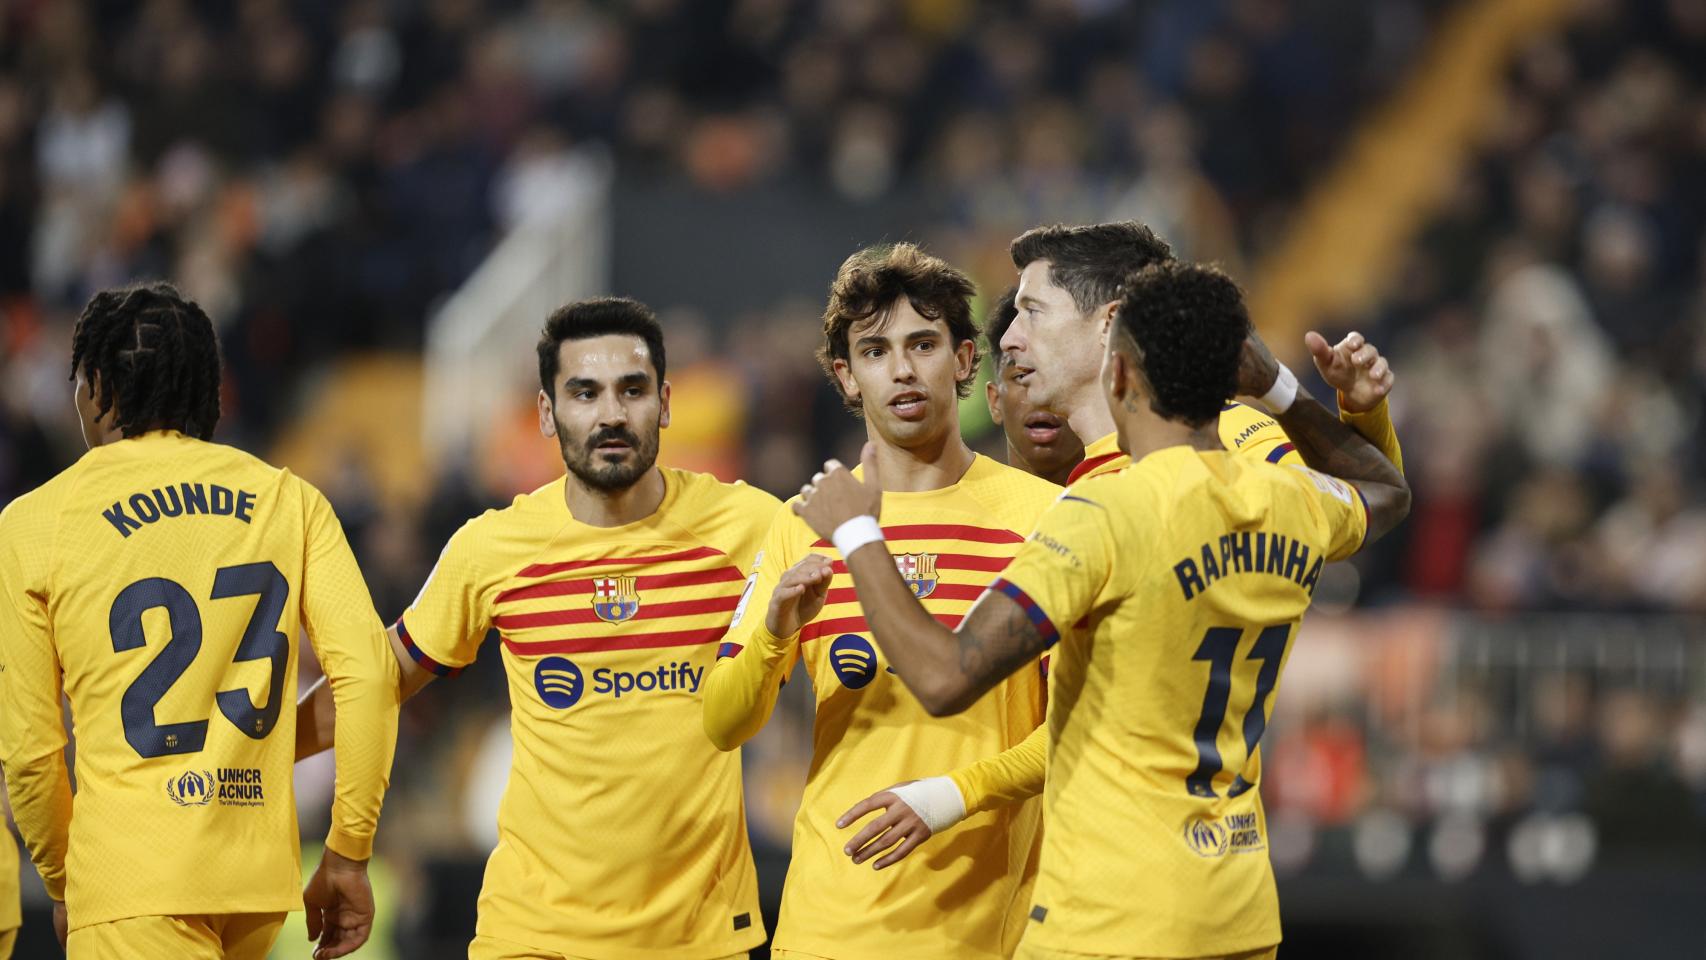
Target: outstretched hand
[
  {"x": 1353, "y": 367},
  {"x": 835, "y": 496}
]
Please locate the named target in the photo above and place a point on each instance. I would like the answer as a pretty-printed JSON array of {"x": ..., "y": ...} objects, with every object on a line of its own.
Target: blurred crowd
[
  {"x": 320, "y": 175},
  {"x": 1550, "y": 333}
]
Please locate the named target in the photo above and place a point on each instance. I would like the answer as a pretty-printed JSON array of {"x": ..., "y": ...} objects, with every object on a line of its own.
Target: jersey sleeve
[
  {"x": 32, "y": 728},
  {"x": 355, "y": 653},
  {"x": 1248, "y": 431},
  {"x": 1015, "y": 774},
  {"x": 444, "y": 627},
  {"x": 750, "y": 537},
  {"x": 1376, "y": 427},
  {"x": 1339, "y": 510},
  {"x": 741, "y": 689},
  {"x": 1058, "y": 573}
]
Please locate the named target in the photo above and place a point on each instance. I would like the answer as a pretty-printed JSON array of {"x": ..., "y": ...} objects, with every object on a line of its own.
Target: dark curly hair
[
  {"x": 151, "y": 356},
  {"x": 1091, "y": 261},
  {"x": 996, "y": 322},
  {"x": 598, "y": 317},
  {"x": 1189, "y": 323},
  {"x": 874, "y": 279}
]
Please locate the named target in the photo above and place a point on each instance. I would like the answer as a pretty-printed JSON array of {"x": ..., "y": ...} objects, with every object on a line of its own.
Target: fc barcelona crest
[
  {"x": 614, "y": 599},
  {"x": 919, "y": 571}
]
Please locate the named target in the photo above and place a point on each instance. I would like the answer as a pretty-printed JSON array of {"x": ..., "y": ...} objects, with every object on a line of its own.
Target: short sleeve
[
  {"x": 1067, "y": 562},
  {"x": 444, "y": 627},
  {"x": 1340, "y": 510}
]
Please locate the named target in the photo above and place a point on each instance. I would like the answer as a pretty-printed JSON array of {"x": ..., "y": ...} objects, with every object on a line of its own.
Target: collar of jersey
[
  {"x": 979, "y": 464},
  {"x": 671, "y": 491}
]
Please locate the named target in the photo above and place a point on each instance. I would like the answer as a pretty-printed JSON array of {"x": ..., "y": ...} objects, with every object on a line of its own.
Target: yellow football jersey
[
  {"x": 622, "y": 832},
  {"x": 1157, "y": 844},
  {"x": 1018, "y": 773},
  {"x": 11, "y": 912},
  {"x": 1247, "y": 430},
  {"x": 964, "y": 895},
  {"x": 164, "y": 582}
]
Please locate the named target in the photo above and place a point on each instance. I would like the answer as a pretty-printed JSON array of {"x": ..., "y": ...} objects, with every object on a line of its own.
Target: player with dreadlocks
[{"x": 160, "y": 583}]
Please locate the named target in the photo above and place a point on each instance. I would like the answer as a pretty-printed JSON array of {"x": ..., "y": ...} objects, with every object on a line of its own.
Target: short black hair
[
  {"x": 1189, "y": 324},
  {"x": 1001, "y": 316},
  {"x": 155, "y": 357},
  {"x": 1091, "y": 262},
  {"x": 598, "y": 317},
  {"x": 876, "y": 278}
]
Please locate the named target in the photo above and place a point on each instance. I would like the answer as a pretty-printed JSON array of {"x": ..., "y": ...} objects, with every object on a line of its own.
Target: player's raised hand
[
  {"x": 899, "y": 830},
  {"x": 339, "y": 900},
  {"x": 799, "y": 595},
  {"x": 835, "y": 496},
  {"x": 1353, "y": 367},
  {"x": 1257, "y": 368}
]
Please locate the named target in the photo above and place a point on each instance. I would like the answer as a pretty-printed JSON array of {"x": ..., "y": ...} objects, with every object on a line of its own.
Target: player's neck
[
  {"x": 931, "y": 466},
  {"x": 1143, "y": 432},
  {"x": 1088, "y": 415},
  {"x": 1059, "y": 476},
  {"x": 614, "y": 508}
]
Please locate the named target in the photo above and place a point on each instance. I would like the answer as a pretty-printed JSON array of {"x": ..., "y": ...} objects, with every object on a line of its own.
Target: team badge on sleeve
[
  {"x": 919, "y": 571},
  {"x": 614, "y": 599}
]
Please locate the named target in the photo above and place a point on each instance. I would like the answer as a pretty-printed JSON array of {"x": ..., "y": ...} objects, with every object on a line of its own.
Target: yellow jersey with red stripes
[
  {"x": 965, "y": 894},
  {"x": 162, "y": 585},
  {"x": 622, "y": 832},
  {"x": 1157, "y": 842}
]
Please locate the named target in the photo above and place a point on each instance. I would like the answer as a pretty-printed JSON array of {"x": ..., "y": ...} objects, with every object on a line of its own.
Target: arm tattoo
[
  {"x": 994, "y": 645},
  {"x": 1332, "y": 447}
]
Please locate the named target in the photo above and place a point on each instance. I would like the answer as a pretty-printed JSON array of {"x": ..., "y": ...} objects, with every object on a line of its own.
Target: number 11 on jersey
[{"x": 1219, "y": 648}]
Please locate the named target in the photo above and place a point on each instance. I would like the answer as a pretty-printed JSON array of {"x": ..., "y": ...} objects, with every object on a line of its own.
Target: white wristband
[
  {"x": 936, "y": 800},
  {"x": 855, "y": 533},
  {"x": 1280, "y": 396}
]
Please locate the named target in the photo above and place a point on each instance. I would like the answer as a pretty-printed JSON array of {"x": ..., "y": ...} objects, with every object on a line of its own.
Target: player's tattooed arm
[
  {"x": 1327, "y": 444},
  {"x": 947, "y": 670}
]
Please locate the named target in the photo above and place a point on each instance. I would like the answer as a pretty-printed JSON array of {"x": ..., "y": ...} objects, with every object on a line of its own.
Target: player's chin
[{"x": 906, "y": 431}]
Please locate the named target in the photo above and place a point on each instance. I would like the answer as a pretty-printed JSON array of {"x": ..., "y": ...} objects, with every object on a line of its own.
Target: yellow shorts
[
  {"x": 209, "y": 936},
  {"x": 491, "y": 948},
  {"x": 8, "y": 940},
  {"x": 1043, "y": 953}
]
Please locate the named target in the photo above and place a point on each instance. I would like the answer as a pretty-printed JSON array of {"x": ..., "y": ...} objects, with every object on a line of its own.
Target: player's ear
[
  {"x": 844, "y": 376},
  {"x": 1104, "y": 320},
  {"x": 663, "y": 399},
  {"x": 547, "y": 422},
  {"x": 990, "y": 391},
  {"x": 965, "y": 360}
]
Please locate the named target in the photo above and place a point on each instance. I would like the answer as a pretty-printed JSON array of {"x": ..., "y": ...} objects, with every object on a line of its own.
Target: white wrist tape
[
  {"x": 1280, "y": 396},
  {"x": 855, "y": 533},
  {"x": 937, "y": 802}
]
